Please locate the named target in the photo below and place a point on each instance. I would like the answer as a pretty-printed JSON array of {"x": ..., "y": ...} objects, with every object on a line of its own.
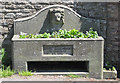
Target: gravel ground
[{"x": 16, "y": 77}]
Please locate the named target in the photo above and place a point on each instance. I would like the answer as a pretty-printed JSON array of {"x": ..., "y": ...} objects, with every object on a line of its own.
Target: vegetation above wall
[{"x": 63, "y": 34}]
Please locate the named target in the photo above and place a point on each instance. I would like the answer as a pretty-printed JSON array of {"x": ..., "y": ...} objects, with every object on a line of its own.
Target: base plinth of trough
[
  {"x": 82, "y": 74},
  {"x": 106, "y": 74}
]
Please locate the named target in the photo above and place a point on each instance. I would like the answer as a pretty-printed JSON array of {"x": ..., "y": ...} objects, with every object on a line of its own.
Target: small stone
[{"x": 10, "y": 15}]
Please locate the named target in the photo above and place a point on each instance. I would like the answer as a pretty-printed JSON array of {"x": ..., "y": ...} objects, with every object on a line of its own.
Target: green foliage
[
  {"x": 91, "y": 34},
  {"x": 4, "y": 58},
  {"x": 113, "y": 68},
  {"x": 2, "y": 53},
  {"x": 73, "y": 76},
  {"x": 109, "y": 67},
  {"x": 6, "y": 72},
  {"x": 64, "y": 34},
  {"x": 77, "y": 76},
  {"x": 45, "y": 35},
  {"x": 25, "y": 73}
]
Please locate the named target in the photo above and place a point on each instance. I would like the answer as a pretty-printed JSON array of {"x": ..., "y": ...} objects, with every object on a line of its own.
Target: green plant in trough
[
  {"x": 91, "y": 34},
  {"x": 25, "y": 73},
  {"x": 6, "y": 72},
  {"x": 63, "y": 34},
  {"x": 46, "y": 35}
]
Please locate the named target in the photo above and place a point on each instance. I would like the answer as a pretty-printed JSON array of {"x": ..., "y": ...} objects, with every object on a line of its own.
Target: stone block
[
  {"x": 10, "y": 16},
  {"x": 95, "y": 10},
  {"x": 112, "y": 9}
]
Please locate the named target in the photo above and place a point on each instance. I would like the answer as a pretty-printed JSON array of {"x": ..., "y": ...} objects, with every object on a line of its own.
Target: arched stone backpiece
[{"x": 53, "y": 18}]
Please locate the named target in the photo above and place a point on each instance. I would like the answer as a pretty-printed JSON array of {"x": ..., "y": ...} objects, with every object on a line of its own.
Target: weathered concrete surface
[
  {"x": 109, "y": 74},
  {"x": 39, "y": 23},
  {"x": 83, "y": 50}
]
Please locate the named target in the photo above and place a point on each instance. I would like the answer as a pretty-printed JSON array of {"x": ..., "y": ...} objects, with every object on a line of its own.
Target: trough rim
[{"x": 16, "y": 38}]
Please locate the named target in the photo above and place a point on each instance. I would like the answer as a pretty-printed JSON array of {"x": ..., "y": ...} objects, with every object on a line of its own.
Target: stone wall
[
  {"x": 112, "y": 34},
  {"x": 107, "y": 13},
  {"x": 113, "y": 38}
]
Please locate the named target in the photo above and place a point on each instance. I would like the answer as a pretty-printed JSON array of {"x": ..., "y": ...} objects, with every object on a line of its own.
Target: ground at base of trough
[{"x": 52, "y": 78}]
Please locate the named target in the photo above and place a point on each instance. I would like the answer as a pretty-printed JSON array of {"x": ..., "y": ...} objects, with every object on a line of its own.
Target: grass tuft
[
  {"x": 6, "y": 72},
  {"x": 73, "y": 76},
  {"x": 25, "y": 73}
]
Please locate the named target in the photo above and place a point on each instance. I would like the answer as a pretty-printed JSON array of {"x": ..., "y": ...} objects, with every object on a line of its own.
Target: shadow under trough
[{"x": 58, "y": 66}]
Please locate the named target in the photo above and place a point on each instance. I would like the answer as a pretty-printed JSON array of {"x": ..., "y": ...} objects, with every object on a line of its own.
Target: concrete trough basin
[{"x": 59, "y": 56}]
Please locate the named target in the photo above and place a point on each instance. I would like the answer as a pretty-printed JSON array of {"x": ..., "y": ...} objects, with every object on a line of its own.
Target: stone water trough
[{"x": 82, "y": 56}]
